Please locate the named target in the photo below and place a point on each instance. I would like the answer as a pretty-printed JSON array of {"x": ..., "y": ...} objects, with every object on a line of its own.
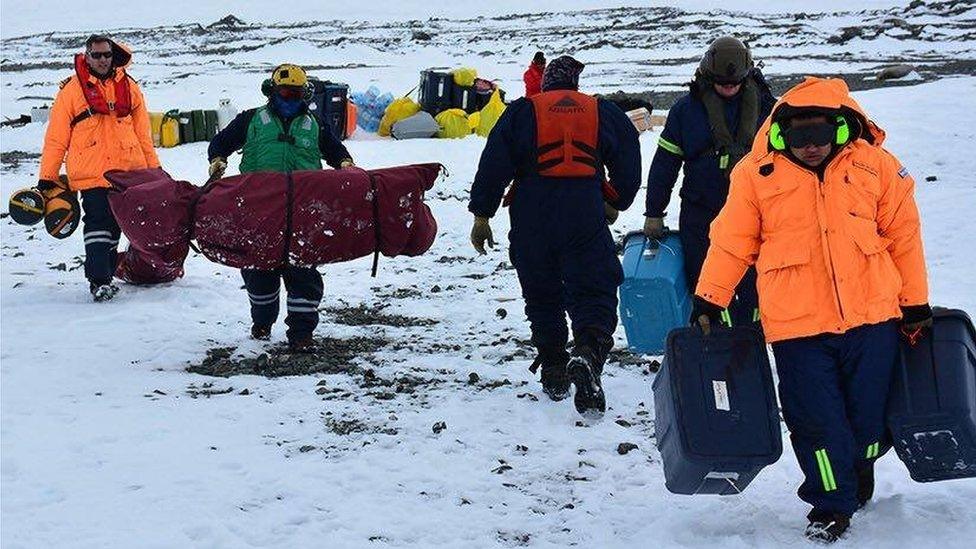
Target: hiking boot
[
  {"x": 103, "y": 292},
  {"x": 865, "y": 485},
  {"x": 555, "y": 378},
  {"x": 584, "y": 371},
  {"x": 261, "y": 333},
  {"x": 302, "y": 345},
  {"x": 826, "y": 528},
  {"x": 590, "y": 348}
]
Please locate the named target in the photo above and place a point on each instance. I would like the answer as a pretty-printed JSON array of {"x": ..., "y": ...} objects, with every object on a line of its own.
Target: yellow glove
[
  {"x": 654, "y": 227},
  {"x": 610, "y": 213},
  {"x": 347, "y": 163},
  {"x": 480, "y": 233},
  {"x": 217, "y": 167}
]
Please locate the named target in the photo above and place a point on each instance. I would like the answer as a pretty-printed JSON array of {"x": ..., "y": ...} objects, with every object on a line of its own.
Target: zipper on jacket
[
  {"x": 830, "y": 255},
  {"x": 821, "y": 174}
]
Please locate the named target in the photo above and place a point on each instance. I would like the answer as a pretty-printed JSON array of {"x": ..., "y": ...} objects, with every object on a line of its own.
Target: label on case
[{"x": 721, "y": 391}]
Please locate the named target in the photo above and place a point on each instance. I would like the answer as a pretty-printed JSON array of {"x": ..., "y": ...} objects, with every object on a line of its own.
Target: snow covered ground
[
  {"x": 31, "y": 16},
  {"x": 107, "y": 441}
]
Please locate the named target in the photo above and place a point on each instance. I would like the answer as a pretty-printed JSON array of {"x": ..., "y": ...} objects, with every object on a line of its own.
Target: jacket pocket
[
  {"x": 786, "y": 205},
  {"x": 775, "y": 189},
  {"x": 863, "y": 193},
  {"x": 126, "y": 133},
  {"x": 785, "y": 283},
  {"x": 84, "y": 158},
  {"x": 877, "y": 274}
]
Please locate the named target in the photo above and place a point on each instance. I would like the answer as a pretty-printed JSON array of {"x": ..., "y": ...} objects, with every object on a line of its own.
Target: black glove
[
  {"x": 705, "y": 314},
  {"x": 46, "y": 185},
  {"x": 915, "y": 320},
  {"x": 916, "y": 316}
]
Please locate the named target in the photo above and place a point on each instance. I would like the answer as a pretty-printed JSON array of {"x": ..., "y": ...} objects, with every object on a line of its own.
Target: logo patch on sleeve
[{"x": 903, "y": 172}]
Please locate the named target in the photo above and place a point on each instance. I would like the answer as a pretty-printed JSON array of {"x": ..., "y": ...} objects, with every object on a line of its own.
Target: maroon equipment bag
[
  {"x": 266, "y": 220},
  {"x": 153, "y": 211}
]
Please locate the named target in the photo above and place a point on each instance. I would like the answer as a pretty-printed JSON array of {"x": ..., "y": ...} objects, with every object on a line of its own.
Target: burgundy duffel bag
[
  {"x": 153, "y": 211},
  {"x": 265, "y": 220},
  {"x": 260, "y": 220}
]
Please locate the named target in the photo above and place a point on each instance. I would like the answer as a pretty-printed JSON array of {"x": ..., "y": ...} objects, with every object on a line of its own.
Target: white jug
[{"x": 226, "y": 112}]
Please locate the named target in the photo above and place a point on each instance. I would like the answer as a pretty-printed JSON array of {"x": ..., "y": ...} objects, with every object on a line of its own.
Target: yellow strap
[{"x": 25, "y": 207}]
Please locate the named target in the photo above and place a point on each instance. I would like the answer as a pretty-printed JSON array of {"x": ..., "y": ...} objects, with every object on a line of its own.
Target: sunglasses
[
  {"x": 291, "y": 93},
  {"x": 722, "y": 82},
  {"x": 100, "y": 54},
  {"x": 814, "y": 134}
]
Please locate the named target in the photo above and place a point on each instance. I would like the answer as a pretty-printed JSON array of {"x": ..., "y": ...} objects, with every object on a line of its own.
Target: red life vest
[
  {"x": 97, "y": 104},
  {"x": 567, "y": 124}
]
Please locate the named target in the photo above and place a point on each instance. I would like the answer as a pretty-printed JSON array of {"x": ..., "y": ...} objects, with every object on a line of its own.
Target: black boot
[
  {"x": 301, "y": 344},
  {"x": 590, "y": 351},
  {"x": 555, "y": 378},
  {"x": 826, "y": 528},
  {"x": 103, "y": 292},
  {"x": 260, "y": 332},
  {"x": 865, "y": 485}
]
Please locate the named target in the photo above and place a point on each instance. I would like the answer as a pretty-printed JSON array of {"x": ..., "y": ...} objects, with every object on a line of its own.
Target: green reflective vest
[{"x": 269, "y": 148}]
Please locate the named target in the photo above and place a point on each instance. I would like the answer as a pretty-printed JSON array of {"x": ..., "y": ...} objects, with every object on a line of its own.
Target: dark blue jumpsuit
[
  {"x": 687, "y": 140},
  {"x": 560, "y": 244}
]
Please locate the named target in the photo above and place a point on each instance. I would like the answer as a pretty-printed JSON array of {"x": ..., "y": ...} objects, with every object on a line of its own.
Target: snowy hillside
[{"x": 122, "y": 425}]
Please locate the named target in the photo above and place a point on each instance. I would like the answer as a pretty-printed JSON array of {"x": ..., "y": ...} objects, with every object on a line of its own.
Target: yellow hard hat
[{"x": 289, "y": 75}]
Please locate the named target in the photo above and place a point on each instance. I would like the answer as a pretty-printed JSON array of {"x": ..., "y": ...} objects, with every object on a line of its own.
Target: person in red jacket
[{"x": 533, "y": 75}]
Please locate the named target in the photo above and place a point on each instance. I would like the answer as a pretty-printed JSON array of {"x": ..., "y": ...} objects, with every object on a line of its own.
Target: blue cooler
[
  {"x": 932, "y": 406},
  {"x": 654, "y": 297},
  {"x": 716, "y": 419}
]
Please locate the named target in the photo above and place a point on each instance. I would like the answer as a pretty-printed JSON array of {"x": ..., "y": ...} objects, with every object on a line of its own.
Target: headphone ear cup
[
  {"x": 776, "y": 139},
  {"x": 843, "y": 131}
]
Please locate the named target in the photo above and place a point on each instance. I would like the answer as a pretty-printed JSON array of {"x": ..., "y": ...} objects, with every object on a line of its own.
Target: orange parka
[
  {"x": 99, "y": 143},
  {"x": 831, "y": 254}
]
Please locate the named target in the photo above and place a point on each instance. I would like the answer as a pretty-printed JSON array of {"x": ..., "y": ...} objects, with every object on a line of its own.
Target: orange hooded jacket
[
  {"x": 101, "y": 142},
  {"x": 831, "y": 255}
]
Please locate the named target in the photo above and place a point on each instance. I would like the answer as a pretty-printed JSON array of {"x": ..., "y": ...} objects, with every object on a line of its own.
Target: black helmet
[{"x": 727, "y": 61}]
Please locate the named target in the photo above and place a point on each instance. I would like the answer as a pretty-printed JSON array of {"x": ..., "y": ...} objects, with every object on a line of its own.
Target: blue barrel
[
  {"x": 716, "y": 421},
  {"x": 654, "y": 297},
  {"x": 932, "y": 405}
]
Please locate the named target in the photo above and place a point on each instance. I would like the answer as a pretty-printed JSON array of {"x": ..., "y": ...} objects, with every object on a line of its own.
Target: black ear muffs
[
  {"x": 27, "y": 206},
  {"x": 62, "y": 214}
]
